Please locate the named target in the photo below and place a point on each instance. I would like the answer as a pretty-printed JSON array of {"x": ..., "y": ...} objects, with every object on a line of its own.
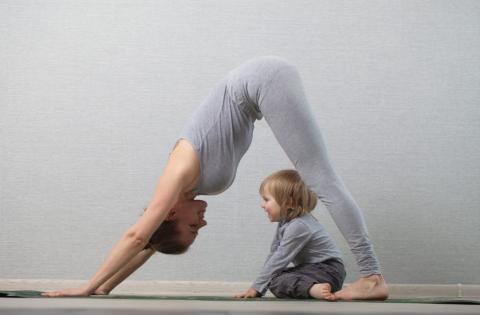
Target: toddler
[{"x": 300, "y": 239}]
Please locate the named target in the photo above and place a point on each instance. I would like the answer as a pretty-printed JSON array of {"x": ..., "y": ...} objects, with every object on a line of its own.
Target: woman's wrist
[
  {"x": 86, "y": 289},
  {"x": 94, "y": 285},
  {"x": 102, "y": 291}
]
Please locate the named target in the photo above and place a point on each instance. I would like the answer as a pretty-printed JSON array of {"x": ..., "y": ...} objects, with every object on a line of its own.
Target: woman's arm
[
  {"x": 132, "y": 242},
  {"x": 181, "y": 170},
  {"x": 125, "y": 272}
]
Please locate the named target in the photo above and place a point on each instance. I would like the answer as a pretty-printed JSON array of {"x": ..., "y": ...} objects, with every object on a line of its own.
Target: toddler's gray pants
[{"x": 295, "y": 282}]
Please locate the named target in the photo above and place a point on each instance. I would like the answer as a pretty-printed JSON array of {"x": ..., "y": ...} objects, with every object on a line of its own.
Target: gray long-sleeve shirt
[{"x": 301, "y": 240}]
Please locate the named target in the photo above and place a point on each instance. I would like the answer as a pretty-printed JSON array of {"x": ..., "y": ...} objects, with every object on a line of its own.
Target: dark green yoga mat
[{"x": 430, "y": 300}]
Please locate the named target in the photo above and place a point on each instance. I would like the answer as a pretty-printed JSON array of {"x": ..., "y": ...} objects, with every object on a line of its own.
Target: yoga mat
[{"x": 429, "y": 300}]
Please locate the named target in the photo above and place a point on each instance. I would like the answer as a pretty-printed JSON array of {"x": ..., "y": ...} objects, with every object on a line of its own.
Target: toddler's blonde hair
[{"x": 290, "y": 192}]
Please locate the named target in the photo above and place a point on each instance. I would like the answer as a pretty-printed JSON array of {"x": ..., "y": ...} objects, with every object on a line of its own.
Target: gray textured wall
[{"x": 93, "y": 93}]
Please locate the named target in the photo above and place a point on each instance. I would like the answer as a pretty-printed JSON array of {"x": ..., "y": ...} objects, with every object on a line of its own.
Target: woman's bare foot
[
  {"x": 366, "y": 288},
  {"x": 322, "y": 291}
]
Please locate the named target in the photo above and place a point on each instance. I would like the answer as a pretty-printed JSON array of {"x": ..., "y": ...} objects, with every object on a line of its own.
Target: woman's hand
[
  {"x": 101, "y": 291},
  {"x": 250, "y": 293},
  {"x": 80, "y": 291}
]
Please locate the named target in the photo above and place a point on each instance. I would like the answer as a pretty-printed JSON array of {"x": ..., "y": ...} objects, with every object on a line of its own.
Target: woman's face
[{"x": 189, "y": 218}]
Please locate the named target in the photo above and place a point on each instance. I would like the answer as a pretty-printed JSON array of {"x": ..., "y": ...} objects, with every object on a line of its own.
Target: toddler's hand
[{"x": 250, "y": 293}]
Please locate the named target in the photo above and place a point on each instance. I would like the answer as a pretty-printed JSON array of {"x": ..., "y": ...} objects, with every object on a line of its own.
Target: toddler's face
[{"x": 271, "y": 207}]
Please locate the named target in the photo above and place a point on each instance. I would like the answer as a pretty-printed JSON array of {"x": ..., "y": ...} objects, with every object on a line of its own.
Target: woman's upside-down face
[{"x": 189, "y": 218}]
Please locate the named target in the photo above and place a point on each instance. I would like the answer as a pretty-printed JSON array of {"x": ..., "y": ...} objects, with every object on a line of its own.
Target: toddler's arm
[{"x": 294, "y": 238}]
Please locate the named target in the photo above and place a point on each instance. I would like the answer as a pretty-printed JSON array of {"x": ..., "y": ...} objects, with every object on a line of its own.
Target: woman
[{"x": 204, "y": 162}]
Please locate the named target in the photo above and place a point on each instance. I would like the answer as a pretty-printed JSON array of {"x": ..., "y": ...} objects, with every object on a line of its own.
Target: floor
[
  {"x": 99, "y": 306},
  {"x": 74, "y": 306}
]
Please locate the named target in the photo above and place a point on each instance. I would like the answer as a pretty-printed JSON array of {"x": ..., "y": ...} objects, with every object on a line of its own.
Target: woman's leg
[
  {"x": 283, "y": 103},
  {"x": 274, "y": 85}
]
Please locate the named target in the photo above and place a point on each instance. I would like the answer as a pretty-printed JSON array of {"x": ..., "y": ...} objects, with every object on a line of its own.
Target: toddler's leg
[
  {"x": 290, "y": 284},
  {"x": 283, "y": 103},
  {"x": 308, "y": 281}
]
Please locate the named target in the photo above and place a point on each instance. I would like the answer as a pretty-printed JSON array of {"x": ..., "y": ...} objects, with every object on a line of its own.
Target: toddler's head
[{"x": 291, "y": 197}]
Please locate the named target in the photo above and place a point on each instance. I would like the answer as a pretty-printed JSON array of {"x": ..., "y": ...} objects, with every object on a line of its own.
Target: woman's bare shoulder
[{"x": 184, "y": 160}]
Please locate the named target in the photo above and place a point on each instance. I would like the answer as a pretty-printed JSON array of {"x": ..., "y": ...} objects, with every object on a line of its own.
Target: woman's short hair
[{"x": 290, "y": 192}]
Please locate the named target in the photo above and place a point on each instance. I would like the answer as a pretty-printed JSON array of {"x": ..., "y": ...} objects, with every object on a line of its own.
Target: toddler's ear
[{"x": 289, "y": 203}]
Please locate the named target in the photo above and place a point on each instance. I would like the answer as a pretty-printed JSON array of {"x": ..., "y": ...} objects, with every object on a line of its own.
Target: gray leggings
[{"x": 273, "y": 87}]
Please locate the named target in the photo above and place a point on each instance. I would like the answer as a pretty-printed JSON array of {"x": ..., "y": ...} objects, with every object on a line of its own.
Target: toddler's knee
[
  {"x": 278, "y": 285},
  {"x": 277, "y": 291}
]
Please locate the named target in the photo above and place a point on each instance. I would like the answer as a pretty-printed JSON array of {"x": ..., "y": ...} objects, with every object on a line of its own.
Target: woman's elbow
[{"x": 136, "y": 239}]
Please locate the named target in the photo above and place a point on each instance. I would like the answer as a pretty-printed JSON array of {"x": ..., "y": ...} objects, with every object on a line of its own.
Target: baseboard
[{"x": 229, "y": 288}]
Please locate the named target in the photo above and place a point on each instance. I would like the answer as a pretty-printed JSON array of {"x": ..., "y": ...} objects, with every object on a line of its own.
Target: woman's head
[
  {"x": 291, "y": 197},
  {"x": 179, "y": 230}
]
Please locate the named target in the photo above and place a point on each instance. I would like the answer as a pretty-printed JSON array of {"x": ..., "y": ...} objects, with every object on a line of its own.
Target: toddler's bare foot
[
  {"x": 366, "y": 288},
  {"x": 322, "y": 291}
]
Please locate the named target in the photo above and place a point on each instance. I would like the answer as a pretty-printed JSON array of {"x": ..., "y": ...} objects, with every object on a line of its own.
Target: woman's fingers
[
  {"x": 51, "y": 294},
  {"x": 81, "y": 291}
]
